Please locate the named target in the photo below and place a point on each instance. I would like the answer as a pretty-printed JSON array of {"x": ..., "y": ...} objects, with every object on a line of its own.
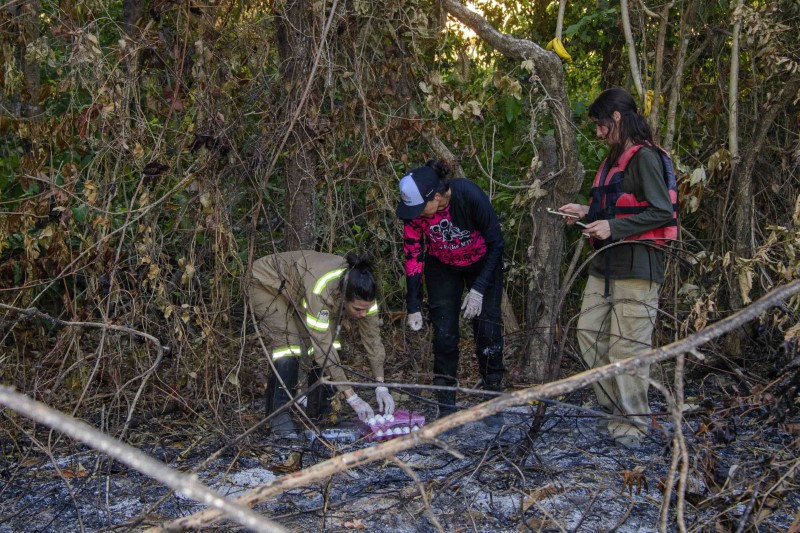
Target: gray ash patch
[{"x": 573, "y": 478}]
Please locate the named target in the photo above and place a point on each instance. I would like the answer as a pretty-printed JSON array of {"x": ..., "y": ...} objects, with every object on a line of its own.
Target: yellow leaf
[
  {"x": 188, "y": 274},
  {"x": 792, "y": 332},
  {"x": 796, "y": 216},
  {"x": 90, "y": 192},
  {"x": 745, "y": 284},
  {"x": 205, "y": 201},
  {"x": 153, "y": 271},
  {"x": 475, "y": 107}
]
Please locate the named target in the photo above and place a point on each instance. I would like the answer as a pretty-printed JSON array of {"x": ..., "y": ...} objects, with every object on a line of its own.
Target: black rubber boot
[
  {"x": 282, "y": 424},
  {"x": 319, "y": 399},
  {"x": 446, "y": 400},
  {"x": 492, "y": 382}
]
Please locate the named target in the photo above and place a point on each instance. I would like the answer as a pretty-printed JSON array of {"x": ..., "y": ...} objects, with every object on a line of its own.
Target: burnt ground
[{"x": 573, "y": 479}]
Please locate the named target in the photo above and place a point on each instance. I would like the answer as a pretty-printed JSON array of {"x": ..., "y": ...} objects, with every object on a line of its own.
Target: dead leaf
[
  {"x": 69, "y": 473},
  {"x": 792, "y": 427},
  {"x": 539, "y": 494},
  {"x": 537, "y": 524},
  {"x": 635, "y": 479},
  {"x": 292, "y": 463},
  {"x": 355, "y": 524}
]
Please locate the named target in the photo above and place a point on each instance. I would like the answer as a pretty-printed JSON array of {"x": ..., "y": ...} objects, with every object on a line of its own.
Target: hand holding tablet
[{"x": 566, "y": 215}]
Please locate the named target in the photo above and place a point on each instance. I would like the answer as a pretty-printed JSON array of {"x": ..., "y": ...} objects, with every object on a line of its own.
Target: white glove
[
  {"x": 473, "y": 304},
  {"x": 362, "y": 408},
  {"x": 385, "y": 400},
  {"x": 415, "y": 321}
]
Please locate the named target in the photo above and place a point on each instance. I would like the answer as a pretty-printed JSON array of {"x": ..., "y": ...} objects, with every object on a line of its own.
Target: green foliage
[{"x": 139, "y": 190}]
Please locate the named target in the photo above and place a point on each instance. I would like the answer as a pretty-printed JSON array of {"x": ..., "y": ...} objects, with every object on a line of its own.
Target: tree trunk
[
  {"x": 560, "y": 186},
  {"x": 733, "y": 89},
  {"x": 655, "y": 108},
  {"x": 636, "y": 75},
  {"x": 296, "y": 47},
  {"x": 677, "y": 77},
  {"x": 744, "y": 241},
  {"x": 546, "y": 254},
  {"x": 26, "y": 103},
  {"x": 744, "y": 244}
]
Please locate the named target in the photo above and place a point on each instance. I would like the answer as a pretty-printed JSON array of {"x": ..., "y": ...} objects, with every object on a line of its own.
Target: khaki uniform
[
  {"x": 615, "y": 328},
  {"x": 297, "y": 299}
]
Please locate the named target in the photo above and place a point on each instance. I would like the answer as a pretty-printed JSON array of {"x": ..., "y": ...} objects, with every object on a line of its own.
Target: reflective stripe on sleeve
[
  {"x": 319, "y": 286},
  {"x": 315, "y": 323},
  {"x": 336, "y": 344}
]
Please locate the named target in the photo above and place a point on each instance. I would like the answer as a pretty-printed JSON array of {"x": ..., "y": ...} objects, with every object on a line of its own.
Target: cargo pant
[
  {"x": 445, "y": 286},
  {"x": 284, "y": 336},
  {"x": 615, "y": 328}
]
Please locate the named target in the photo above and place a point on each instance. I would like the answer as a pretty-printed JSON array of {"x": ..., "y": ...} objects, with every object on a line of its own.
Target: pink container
[{"x": 382, "y": 427}]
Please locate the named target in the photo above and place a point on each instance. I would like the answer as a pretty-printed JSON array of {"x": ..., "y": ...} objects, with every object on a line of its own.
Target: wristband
[{"x": 353, "y": 399}]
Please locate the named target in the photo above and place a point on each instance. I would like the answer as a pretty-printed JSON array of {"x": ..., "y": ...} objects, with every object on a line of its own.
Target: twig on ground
[{"x": 429, "y": 514}]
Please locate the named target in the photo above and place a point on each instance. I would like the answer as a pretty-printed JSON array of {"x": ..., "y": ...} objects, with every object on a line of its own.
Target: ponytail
[
  {"x": 443, "y": 170},
  {"x": 359, "y": 282}
]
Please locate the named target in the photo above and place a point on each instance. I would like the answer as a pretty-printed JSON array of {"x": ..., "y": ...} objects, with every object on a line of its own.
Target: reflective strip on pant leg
[{"x": 285, "y": 351}]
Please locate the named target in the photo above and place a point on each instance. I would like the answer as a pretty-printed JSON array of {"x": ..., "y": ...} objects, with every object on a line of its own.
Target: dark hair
[
  {"x": 443, "y": 169},
  {"x": 632, "y": 125},
  {"x": 359, "y": 281}
]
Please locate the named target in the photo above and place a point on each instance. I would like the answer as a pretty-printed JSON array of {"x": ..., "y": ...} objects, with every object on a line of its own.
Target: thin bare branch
[{"x": 135, "y": 459}]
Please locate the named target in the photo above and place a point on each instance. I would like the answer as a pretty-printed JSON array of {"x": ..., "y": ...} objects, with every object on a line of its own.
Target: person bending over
[
  {"x": 451, "y": 235},
  {"x": 299, "y": 299}
]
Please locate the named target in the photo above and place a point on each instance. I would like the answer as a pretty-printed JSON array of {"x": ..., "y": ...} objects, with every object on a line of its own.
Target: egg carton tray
[{"x": 385, "y": 427}]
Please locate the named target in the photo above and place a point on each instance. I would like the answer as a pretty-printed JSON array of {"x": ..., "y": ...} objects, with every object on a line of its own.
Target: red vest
[{"x": 608, "y": 200}]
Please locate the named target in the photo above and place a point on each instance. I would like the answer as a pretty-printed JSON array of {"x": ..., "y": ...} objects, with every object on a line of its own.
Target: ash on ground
[{"x": 573, "y": 477}]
